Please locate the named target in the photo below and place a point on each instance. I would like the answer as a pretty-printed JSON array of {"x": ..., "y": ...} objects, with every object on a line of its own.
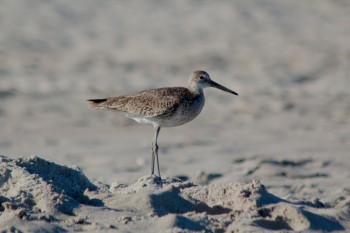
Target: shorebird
[{"x": 163, "y": 107}]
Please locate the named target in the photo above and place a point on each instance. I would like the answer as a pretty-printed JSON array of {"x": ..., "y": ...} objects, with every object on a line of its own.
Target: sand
[
  {"x": 276, "y": 157},
  {"x": 38, "y": 195}
]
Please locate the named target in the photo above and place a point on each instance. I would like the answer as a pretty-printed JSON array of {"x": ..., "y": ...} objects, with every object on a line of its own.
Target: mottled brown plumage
[
  {"x": 163, "y": 107},
  {"x": 149, "y": 103}
]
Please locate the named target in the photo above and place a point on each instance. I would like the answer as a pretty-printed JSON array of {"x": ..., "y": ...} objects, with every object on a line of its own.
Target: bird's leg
[
  {"x": 155, "y": 149},
  {"x": 152, "y": 167}
]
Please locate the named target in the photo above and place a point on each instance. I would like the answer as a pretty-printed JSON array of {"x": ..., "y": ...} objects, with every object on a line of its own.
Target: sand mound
[
  {"x": 41, "y": 186},
  {"x": 186, "y": 206},
  {"x": 38, "y": 195}
]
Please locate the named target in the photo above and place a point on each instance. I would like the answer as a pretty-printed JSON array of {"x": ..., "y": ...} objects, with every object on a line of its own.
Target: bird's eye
[{"x": 201, "y": 77}]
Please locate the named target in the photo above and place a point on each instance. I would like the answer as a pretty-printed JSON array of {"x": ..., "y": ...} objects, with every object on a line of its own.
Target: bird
[{"x": 163, "y": 107}]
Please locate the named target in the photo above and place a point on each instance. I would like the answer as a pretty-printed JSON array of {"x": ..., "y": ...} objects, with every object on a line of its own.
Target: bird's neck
[{"x": 195, "y": 89}]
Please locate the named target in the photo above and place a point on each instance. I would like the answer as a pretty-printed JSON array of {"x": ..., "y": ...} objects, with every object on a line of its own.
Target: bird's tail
[{"x": 96, "y": 103}]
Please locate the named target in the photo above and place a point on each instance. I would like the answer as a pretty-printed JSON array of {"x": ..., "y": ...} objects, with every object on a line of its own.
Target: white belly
[{"x": 142, "y": 120}]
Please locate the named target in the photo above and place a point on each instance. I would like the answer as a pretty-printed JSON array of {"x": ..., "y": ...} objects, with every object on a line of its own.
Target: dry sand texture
[{"x": 274, "y": 158}]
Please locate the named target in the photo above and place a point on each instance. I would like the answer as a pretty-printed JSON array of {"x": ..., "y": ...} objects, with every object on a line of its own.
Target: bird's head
[{"x": 201, "y": 79}]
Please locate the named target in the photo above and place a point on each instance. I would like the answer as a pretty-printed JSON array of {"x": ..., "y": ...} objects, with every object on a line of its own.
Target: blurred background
[{"x": 288, "y": 60}]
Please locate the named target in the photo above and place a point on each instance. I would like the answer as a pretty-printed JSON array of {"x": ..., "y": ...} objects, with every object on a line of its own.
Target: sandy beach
[{"x": 274, "y": 158}]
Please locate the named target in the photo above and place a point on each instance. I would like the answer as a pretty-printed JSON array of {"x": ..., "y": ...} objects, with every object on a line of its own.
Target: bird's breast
[{"x": 185, "y": 112}]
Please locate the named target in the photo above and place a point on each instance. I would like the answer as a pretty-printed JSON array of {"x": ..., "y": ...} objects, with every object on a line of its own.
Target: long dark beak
[{"x": 218, "y": 86}]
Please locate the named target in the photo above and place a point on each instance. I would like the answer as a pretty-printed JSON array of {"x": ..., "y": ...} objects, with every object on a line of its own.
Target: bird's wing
[{"x": 149, "y": 103}]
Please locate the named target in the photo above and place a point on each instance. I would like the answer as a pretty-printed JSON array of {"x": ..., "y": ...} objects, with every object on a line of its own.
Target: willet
[{"x": 163, "y": 107}]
